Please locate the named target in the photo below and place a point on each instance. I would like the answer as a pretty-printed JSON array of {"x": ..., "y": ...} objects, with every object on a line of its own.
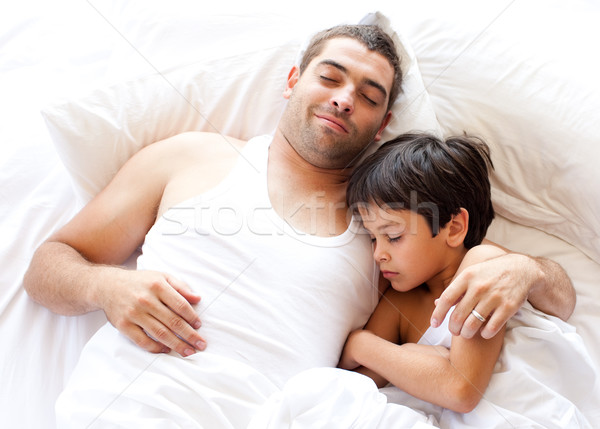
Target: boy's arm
[
  {"x": 454, "y": 379},
  {"x": 498, "y": 287},
  {"x": 385, "y": 323},
  {"x": 456, "y": 382}
]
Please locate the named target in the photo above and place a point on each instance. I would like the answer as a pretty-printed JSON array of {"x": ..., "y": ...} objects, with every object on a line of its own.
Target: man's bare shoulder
[
  {"x": 206, "y": 140},
  {"x": 195, "y": 163},
  {"x": 196, "y": 145}
]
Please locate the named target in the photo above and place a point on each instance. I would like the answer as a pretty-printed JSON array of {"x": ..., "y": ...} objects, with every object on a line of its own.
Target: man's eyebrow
[
  {"x": 377, "y": 86},
  {"x": 334, "y": 64},
  {"x": 343, "y": 69}
]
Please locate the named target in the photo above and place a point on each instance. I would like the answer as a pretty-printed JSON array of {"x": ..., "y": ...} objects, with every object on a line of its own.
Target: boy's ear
[{"x": 458, "y": 228}]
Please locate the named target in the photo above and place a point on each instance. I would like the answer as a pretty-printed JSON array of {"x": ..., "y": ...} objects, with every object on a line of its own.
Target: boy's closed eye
[{"x": 389, "y": 237}]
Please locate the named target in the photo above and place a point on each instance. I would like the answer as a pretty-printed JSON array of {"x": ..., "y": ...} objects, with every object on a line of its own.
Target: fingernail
[
  {"x": 188, "y": 352},
  {"x": 197, "y": 324},
  {"x": 434, "y": 323},
  {"x": 200, "y": 345}
]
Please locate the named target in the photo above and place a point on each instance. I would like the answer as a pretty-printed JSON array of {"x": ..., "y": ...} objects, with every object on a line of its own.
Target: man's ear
[
  {"x": 386, "y": 121},
  {"x": 458, "y": 228},
  {"x": 292, "y": 80}
]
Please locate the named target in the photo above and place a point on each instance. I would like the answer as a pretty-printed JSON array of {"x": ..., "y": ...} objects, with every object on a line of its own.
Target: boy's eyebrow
[
  {"x": 389, "y": 224},
  {"x": 381, "y": 228},
  {"x": 343, "y": 69}
]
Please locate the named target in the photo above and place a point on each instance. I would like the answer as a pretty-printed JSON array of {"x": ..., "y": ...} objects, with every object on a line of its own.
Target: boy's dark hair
[
  {"x": 372, "y": 36},
  {"x": 431, "y": 177}
]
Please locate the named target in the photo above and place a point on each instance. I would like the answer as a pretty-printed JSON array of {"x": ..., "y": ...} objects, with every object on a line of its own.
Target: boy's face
[{"x": 405, "y": 250}]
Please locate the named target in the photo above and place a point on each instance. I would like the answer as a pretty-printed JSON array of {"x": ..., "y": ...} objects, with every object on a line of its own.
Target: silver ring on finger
[{"x": 478, "y": 316}]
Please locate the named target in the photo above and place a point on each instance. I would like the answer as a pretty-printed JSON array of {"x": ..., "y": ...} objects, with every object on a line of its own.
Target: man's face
[{"x": 339, "y": 104}]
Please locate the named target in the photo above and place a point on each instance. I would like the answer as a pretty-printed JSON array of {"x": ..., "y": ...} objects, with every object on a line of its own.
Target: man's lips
[{"x": 333, "y": 122}]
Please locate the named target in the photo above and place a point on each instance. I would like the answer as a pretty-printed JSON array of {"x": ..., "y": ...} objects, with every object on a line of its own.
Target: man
[{"x": 339, "y": 103}]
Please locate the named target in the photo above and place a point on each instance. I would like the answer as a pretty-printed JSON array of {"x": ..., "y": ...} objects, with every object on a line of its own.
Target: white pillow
[
  {"x": 97, "y": 134},
  {"x": 237, "y": 91},
  {"x": 525, "y": 77}
]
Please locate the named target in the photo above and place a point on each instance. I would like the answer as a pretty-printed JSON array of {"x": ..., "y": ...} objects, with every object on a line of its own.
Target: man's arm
[
  {"x": 135, "y": 302},
  {"x": 77, "y": 269},
  {"x": 555, "y": 293},
  {"x": 498, "y": 287}
]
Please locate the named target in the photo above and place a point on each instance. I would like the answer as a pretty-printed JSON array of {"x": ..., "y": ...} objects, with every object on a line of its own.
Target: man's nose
[{"x": 343, "y": 101}]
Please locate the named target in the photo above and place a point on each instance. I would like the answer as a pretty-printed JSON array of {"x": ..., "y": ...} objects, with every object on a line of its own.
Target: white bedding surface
[{"x": 47, "y": 54}]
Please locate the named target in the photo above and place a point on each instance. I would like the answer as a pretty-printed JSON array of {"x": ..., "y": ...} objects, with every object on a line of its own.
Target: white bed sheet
[
  {"x": 47, "y": 53},
  {"x": 40, "y": 348}
]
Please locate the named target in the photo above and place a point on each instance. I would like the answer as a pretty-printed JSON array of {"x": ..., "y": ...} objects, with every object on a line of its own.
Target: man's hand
[
  {"x": 495, "y": 289},
  {"x": 155, "y": 311}
]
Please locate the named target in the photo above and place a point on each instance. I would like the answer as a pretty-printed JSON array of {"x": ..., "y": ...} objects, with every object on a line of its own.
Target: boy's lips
[{"x": 388, "y": 274}]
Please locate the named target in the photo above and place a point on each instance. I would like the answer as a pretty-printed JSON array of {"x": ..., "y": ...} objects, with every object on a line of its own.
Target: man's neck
[
  {"x": 285, "y": 154},
  {"x": 310, "y": 198}
]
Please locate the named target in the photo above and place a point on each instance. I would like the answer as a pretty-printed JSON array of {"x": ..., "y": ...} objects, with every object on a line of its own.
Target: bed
[{"x": 86, "y": 84}]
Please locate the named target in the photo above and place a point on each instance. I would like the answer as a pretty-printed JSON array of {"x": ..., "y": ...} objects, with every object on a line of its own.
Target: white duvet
[
  {"x": 210, "y": 391},
  {"x": 544, "y": 378}
]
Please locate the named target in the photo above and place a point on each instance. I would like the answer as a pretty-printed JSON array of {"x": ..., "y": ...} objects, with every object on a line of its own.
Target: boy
[{"x": 426, "y": 205}]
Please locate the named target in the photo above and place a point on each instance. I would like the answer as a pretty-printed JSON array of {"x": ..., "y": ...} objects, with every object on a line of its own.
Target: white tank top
[{"x": 277, "y": 299}]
